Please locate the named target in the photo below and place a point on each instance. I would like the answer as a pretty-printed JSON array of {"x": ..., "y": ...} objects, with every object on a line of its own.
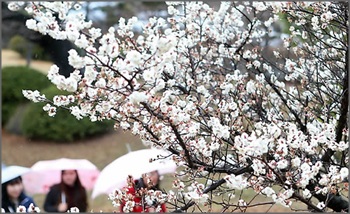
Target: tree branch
[
  {"x": 342, "y": 122},
  {"x": 215, "y": 185}
]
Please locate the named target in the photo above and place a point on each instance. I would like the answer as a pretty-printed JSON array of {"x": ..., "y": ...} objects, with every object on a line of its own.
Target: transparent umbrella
[
  {"x": 135, "y": 163},
  {"x": 10, "y": 172}
]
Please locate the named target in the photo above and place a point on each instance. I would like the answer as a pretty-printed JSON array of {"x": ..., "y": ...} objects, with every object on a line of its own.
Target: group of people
[
  {"x": 68, "y": 193},
  {"x": 61, "y": 197}
]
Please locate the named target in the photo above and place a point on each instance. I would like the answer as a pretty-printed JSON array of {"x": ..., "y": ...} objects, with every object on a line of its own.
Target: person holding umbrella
[
  {"x": 108, "y": 180},
  {"x": 138, "y": 189},
  {"x": 67, "y": 194},
  {"x": 13, "y": 194}
]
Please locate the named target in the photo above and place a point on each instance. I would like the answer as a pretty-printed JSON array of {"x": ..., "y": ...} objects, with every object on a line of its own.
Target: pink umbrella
[
  {"x": 46, "y": 173},
  {"x": 134, "y": 163}
]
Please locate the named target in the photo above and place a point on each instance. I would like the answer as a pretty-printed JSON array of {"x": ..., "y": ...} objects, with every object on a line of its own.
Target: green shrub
[
  {"x": 22, "y": 45},
  {"x": 14, "y": 80},
  {"x": 19, "y": 44},
  {"x": 7, "y": 109},
  {"x": 14, "y": 122},
  {"x": 63, "y": 127}
]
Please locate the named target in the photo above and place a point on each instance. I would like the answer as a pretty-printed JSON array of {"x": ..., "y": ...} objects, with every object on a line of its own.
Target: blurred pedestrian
[
  {"x": 67, "y": 194},
  {"x": 139, "y": 187},
  {"x": 12, "y": 187}
]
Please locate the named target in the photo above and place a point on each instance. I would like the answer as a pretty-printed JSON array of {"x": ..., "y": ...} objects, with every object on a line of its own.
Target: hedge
[
  {"x": 63, "y": 127},
  {"x": 14, "y": 80}
]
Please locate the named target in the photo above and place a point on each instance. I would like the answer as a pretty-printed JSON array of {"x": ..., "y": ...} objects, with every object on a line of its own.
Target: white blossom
[
  {"x": 216, "y": 90},
  {"x": 33, "y": 95},
  {"x": 321, "y": 205},
  {"x": 251, "y": 87},
  {"x": 296, "y": 162},
  {"x": 344, "y": 172},
  {"x": 71, "y": 84},
  {"x": 21, "y": 209},
  {"x": 307, "y": 194},
  {"x": 82, "y": 42},
  {"x": 33, "y": 209},
  {"x": 268, "y": 191},
  {"x": 166, "y": 44},
  {"x": 76, "y": 112},
  {"x": 73, "y": 210},
  {"x": 236, "y": 182},
  {"x": 282, "y": 164},
  {"x": 138, "y": 97},
  {"x": 101, "y": 83},
  {"x": 134, "y": 57},
  {"x": 31, "y": 24},
  {"x": 75, "y": 60}
]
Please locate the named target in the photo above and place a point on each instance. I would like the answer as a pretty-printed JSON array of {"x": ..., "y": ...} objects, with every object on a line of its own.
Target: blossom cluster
[{"x": 198, "y": 84}]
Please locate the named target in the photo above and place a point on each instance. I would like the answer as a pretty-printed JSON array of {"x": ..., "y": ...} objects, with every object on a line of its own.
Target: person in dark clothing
[
  {"x": 13, "y": 195},
  {"x": 141, "y": 184},
  {"x": 67, "y": 194}
]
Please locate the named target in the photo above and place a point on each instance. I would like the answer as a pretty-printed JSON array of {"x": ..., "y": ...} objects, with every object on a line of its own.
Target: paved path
[{"x": 11, "y": 58}]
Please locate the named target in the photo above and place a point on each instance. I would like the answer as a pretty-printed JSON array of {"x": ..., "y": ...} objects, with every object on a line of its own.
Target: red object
[{"x": 138, "y": 202}]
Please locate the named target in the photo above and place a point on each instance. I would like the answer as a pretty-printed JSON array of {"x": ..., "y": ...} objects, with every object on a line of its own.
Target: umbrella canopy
[
  {"x": 46, "y": 173},
  {"x": 134, "y": 163},
  {"x": 10, "y": 172}
]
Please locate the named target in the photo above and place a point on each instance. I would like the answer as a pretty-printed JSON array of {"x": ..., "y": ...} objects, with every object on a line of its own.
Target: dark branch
[{"x": 215, "y": 185}]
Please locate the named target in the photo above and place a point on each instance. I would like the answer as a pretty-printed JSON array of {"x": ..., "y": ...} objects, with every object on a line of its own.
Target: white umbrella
[
  {"x": 46, "y": 173},
  {"x": 135, "y": 163},
  {"x": 10, "y": 172}
]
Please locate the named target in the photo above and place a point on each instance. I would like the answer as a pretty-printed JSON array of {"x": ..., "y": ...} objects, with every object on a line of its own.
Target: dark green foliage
[
  {"x": 13, "y": 124},
  {"x": 7, "y": 109},
  {"x": 14, "y": 80},
  {"x": 22, "y": 46},
  {"x": 63, "y": 127},
  {"x": 19, "y": 44}
]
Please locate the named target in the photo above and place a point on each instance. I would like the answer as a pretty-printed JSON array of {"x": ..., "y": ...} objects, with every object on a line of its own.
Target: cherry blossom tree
[{"x": 237, "y": 113}]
